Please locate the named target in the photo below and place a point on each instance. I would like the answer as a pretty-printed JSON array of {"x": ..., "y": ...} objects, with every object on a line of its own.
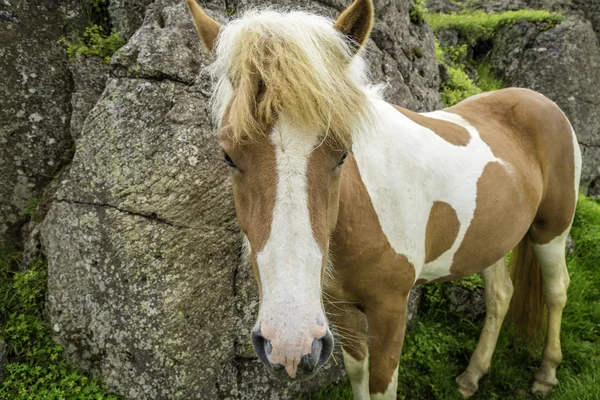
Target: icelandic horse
[{"x": 342, "y": 194}]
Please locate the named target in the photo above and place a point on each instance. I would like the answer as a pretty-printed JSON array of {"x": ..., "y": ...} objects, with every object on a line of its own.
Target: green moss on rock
[{"x": 474, "y": 26}]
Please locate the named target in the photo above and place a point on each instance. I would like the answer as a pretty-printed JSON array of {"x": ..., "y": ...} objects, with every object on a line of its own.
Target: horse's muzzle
[{"x": 309, "y": 364}]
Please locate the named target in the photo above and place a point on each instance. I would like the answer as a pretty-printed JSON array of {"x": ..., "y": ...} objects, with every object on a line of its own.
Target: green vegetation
[
  {"x": 94, "y": 42},
  {"x": 439, "y": 347},
  {"x": 94, "y": 36},
  {"x": 459, "y": 85},
  {"x": 36, "y": 369},
  {"x": 416, "y": 11},
  {"x": 474, "y": 26},
  {"x": 32, "y": 208}
]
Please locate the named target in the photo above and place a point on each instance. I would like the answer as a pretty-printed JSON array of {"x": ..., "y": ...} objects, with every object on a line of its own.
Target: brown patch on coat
[
  {"x": 442, "y": 229},
  {"x": 502, "y": 218},
  {"x": 451, "y": 133},
  {"x": 254, "y": 185},
  {"x": 535, "y": 194},
  {"x": 323, "y": 189},
  {"x": 531, "y": 133},
  {"x": 370, "y": 273}
]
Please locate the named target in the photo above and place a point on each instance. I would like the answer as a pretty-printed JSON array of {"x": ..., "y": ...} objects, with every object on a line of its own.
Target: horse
[{"x": 342, "y": 195}]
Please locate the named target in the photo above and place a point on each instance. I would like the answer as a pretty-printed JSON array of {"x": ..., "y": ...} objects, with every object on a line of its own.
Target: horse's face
[
  {"x": 286, "y": 187},
  {"x": 286, "y": 180}
]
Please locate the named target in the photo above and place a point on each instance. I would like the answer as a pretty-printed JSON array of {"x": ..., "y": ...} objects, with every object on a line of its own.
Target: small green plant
[
  {"x": 416, "y": 12},
  {"x": 94, "y": 43},
  {"x": 487, "y": 80},
  {"x": 32, "y": 208},
  {"x": 458, "y": 87}
]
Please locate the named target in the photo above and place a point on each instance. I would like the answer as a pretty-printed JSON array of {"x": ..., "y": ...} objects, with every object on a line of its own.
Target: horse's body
[
  {"x": 506, "y": 169},
  {"x": 324, "y": 172}
]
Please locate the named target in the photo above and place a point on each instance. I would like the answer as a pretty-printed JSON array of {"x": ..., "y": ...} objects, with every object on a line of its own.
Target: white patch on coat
[
  {"x": 406, "y": 167},
  {"x": 358, "y": 372},
  {"x": 391, "y": 391},
  {"x": 291, "y": 313}
]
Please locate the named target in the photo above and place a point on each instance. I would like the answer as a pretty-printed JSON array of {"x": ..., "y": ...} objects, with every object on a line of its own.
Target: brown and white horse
[{"x": 340, "y": 193}]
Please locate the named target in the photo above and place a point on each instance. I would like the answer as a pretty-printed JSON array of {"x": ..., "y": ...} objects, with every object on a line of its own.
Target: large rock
[
  {"x": 89, "y": 78},
  {"x": 147, "y": 288},
  {"x": 35, "y": 89},
  {"x": 562, "y": 63},
  {"x": 126, "y": 16}
]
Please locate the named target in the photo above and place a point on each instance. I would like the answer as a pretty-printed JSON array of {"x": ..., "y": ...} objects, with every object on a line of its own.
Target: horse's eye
[
  {"x": 228, "y": 160},
  {"x": 343, "y": 159}
]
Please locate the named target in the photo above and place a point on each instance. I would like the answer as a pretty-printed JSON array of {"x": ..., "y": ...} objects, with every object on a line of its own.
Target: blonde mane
[{"x": 295, "y": 64}]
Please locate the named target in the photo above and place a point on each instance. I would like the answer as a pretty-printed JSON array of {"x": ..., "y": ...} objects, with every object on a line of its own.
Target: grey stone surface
[
  {"x": 148, "y": 289},
  {"x": 465, "y": 301},
  {"x": 35, "y": 108},
  {"x": 89, "y": 78},
  {"x": 126, "y": 16},
  {"x": 562, "y": 63}
]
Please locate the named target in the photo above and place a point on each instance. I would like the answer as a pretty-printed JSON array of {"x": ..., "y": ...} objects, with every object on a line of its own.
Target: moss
[
  {"x": 442, "y": 342},
  {"x": 36, "y": 368},
  {"x": 474, "y": 26}
]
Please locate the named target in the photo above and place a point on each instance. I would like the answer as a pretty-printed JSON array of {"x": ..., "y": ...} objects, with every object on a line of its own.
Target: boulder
[
  {"x": 89, "y": 78},
  {"x": 562, "y": 63},
  {"x": 126, "y": 16},
  {"x": 147, "y": 286},
  {"x": 35, "y": 89}
]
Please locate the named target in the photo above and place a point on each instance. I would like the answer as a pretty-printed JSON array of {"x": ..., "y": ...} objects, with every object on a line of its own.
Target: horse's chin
[{"x": 278, "y": 371}]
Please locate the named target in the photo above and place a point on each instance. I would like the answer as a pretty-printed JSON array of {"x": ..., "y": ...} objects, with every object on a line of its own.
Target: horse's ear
[
  {"x": 356, "y": 22},
  {"x": 207, "y": 27}
]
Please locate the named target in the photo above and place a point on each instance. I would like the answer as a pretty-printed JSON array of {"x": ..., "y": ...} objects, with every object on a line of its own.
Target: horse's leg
[
  {"x": 351, "y": 324},
  {"x": 498, "y": 292},
  {"x": 387, "y": 324},
  {"x": 551, "y": 257}
]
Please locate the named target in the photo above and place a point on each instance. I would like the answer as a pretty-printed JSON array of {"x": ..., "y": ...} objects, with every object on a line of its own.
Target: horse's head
[{"x": 288, "y": 101}]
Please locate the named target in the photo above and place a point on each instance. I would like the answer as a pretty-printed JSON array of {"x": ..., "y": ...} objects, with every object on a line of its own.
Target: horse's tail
[{"x": 526, "y": 311}]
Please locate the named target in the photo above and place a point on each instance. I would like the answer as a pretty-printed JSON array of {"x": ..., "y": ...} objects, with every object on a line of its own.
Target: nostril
[
  {"x": 326, "y": 347},
  {"x": 262, "y": 346}
]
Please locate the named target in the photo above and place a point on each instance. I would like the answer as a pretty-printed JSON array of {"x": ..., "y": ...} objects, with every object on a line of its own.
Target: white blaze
[{"x": 291, "y": 314}]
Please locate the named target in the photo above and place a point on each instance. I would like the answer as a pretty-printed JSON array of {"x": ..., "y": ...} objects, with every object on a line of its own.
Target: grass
[
  {"x": 439, "y": 347},
  {"x": 474, "y": 26},
  {"x": 36, "y": 369}
]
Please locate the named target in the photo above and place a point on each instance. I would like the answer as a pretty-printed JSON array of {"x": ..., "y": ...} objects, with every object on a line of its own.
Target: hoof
[
  {"x": 543, "y": 388},
  {"x": 465, "y": 393},
  {"x": 467, "y": 384}
]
